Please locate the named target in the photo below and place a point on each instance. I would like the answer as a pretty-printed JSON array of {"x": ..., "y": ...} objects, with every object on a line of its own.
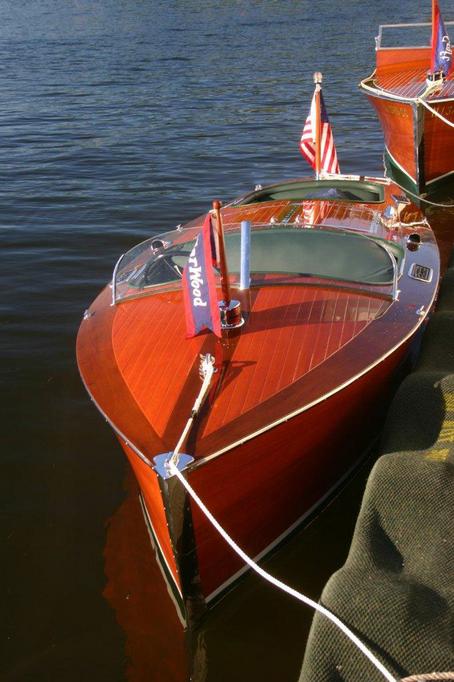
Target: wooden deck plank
[{"x": 290, "y": 331}]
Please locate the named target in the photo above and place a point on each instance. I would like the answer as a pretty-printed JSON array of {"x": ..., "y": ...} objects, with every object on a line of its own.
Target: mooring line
[
  {"x": 278, "y": 583},
  {"x": 426, "y": 201},
  {"x": 435, "y": 112},
  {"x": 418, "y": 196}
]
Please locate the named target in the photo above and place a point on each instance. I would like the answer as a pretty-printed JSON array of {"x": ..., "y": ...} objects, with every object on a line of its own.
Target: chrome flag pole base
[{"x": 231, "y": 317}]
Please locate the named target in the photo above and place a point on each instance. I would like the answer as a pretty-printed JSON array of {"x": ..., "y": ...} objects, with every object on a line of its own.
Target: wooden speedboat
[
  {"x": 415, "y": 106},
  {"x": 342, "y": 275}
]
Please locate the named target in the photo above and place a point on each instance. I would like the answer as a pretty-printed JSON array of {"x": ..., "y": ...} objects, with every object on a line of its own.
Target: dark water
[{"x": 118, "y": 120}]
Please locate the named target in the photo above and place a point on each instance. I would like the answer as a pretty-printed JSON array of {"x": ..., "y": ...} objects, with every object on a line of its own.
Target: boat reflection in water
[
  {"x": 155, "y": 646},
  {"x": 239, "y": 639}
]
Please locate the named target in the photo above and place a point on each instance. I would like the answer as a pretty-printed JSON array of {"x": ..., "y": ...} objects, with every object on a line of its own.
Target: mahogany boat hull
[
  {"x": 301, "y": 387},
  {"x": 262, "y": 490},
  {"x": 419, "y": 148}
]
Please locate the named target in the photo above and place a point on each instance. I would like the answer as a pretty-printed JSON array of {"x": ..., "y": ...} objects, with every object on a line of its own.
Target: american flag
[{"x": 328, "y": 155}]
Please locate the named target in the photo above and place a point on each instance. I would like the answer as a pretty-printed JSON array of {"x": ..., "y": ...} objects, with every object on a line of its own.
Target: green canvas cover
[{"x": 396, "y": 589}]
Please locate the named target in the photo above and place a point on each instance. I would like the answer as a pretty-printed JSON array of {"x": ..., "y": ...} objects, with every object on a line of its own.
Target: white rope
[
  {"x": 427, "y": 677},
  {"x": 420, "y": 198},
  {"x": 278, "y": 583},
  {"x": 435, "y": 112}
]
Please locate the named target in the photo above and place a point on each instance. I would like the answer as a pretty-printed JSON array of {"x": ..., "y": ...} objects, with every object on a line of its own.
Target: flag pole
[
  {"x": 432, "y": 42},
  {"x": 230, "y": 309},
  {"x": 225, "y": 286},
  {"x": 317, "y": 80}
]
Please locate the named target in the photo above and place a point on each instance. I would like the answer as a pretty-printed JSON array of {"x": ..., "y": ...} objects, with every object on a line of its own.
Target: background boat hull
[{"x": 419, "y": 147}]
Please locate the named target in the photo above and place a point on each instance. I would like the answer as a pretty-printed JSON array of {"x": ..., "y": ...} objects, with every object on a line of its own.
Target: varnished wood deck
[
  {"x": 403, "y": 72},
  {"x": 410, "y": 83},
  {"x": 291, "y": 330}
]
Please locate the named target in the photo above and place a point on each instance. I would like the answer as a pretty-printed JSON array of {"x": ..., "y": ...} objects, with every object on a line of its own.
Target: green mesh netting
[
  {"x": 446, "y": 295},
  {"x": 396, "y": 589}
]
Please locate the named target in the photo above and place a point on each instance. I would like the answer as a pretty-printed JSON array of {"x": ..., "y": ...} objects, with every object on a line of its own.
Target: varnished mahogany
[
  {"x": 419, "y": 145},
  {"x": 298, "y": 394}
]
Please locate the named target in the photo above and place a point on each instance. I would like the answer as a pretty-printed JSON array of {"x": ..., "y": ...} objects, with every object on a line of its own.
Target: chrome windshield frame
[
  {"x": 114, "y": 280},
  {"x": 231, "y": 227},
  {"x": 378, "y": 38}
]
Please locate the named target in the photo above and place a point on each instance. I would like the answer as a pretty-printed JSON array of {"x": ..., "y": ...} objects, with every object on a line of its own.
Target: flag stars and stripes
[{"x": 328, "y": 154}]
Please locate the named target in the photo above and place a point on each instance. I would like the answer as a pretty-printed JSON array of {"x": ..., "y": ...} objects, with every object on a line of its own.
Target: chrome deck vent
[{"x": 421, "y": 272}]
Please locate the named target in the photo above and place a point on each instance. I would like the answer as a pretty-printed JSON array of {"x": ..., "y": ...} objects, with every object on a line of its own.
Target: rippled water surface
[{"x": 120, "y": 119}]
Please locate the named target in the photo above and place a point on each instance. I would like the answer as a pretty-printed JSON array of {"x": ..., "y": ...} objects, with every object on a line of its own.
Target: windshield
[{"x": 277, "y": 249}]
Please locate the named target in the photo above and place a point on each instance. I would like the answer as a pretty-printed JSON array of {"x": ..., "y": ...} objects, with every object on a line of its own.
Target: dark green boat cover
[{"x": 396, "y": 589}]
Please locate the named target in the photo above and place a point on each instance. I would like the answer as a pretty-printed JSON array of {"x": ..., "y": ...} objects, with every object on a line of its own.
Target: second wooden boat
[{"x": 414, "y": 101}]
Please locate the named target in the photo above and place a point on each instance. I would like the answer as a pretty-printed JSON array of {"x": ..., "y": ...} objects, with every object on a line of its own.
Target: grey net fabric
[{"x": 396, "y": 589}]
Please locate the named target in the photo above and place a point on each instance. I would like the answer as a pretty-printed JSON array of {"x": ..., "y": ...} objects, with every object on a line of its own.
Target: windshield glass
[
  {"x": 279, "y": 249},
  {"x": 332, "y": 189}
]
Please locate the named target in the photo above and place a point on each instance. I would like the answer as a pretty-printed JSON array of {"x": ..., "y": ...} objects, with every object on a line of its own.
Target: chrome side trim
[
  {"x": 400, "y": 167},
  {"x": 384, "y": 94},
  {"x": 440, "y": 177},
  {"x": 116, "y": 430}
]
